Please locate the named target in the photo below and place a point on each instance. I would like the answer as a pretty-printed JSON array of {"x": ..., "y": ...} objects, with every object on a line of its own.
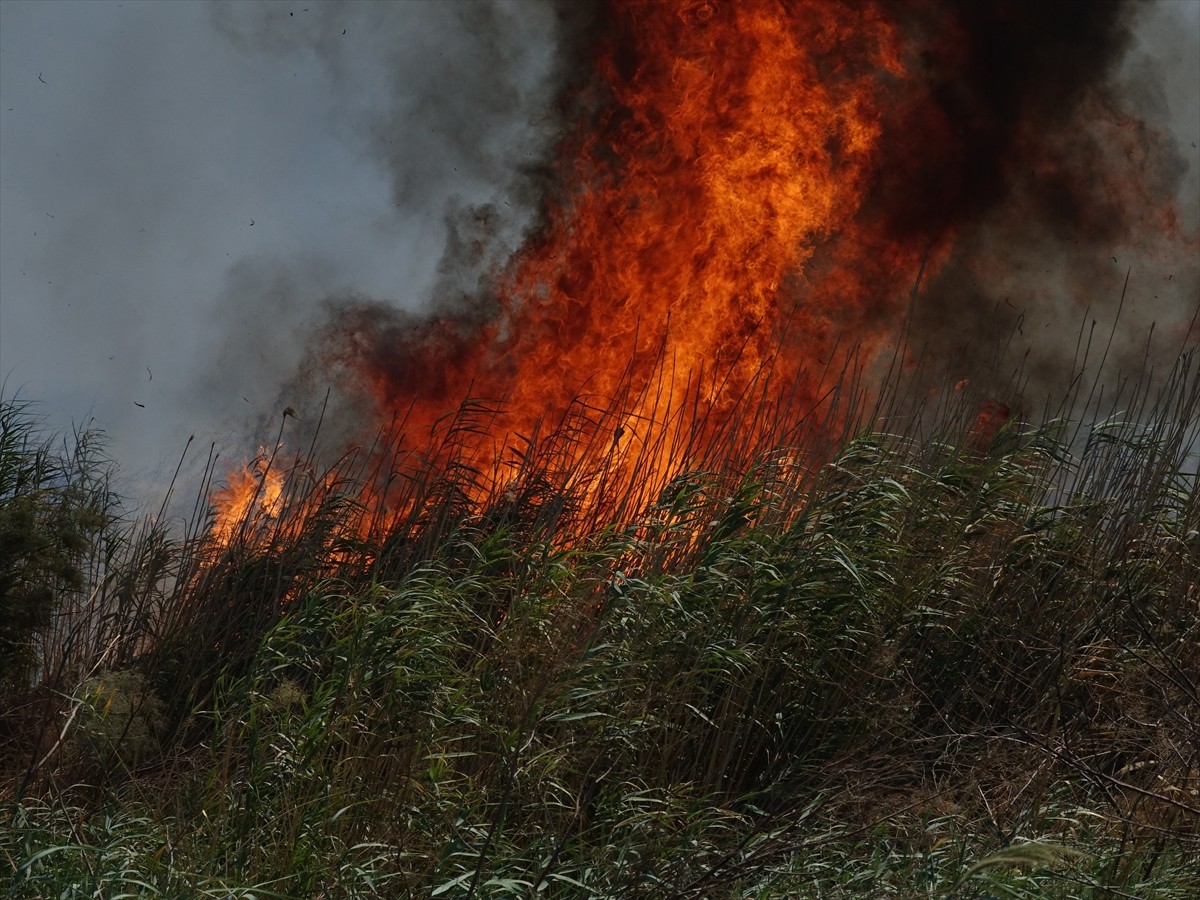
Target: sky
[{"x": 181, "y": 184}]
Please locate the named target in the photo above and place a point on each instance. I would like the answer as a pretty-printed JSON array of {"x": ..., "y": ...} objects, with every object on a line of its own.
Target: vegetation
[
  {"x": 877, "y": 651},
  {"x": 54, "y": 507}
]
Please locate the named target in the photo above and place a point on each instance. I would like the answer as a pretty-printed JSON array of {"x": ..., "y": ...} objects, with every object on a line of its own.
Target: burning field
[{"x": 805, "y": 505}]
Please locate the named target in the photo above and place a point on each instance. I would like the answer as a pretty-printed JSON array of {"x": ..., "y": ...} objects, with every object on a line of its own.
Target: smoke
[
  {"x": 199, "y": 198},
  {"x": 186, "y": 185},
  {"x": 456, "y": 104},
  {"x": 1071, "y": 178},
  {"x": 1029, "y": 148}
]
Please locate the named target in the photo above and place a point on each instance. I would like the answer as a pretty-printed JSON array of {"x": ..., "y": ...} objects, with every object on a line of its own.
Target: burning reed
[
  {"x": 785, "y": 646},
  {"x": 665, "y": 564}
]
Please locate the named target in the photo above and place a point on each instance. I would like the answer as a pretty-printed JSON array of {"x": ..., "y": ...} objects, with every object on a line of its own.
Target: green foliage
[
  {"x": 905, "y": 667},
  {"x": 119, "y": 719},
  {"x": 55, "y": 506}
]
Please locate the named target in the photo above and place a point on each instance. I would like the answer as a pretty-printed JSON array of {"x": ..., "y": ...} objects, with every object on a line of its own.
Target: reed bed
[{"x": 880, "y": 646}]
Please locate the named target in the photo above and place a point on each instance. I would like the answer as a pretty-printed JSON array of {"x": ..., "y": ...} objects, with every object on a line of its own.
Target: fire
[
  {"x": 252, "y": 497},
  {"x": 992, "y": 416},
  {"x": 738, "y": 158},
  {"x": 748, "y": 190},
  {"x": 714, "y": 220}
]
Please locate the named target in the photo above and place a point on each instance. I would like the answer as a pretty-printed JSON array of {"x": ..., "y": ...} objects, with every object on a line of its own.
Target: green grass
[{"x": 843, "y": 652}]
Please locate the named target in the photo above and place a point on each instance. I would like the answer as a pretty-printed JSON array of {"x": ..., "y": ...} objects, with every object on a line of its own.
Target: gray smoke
[
  {"x": 453, "y": 102},
  {"x": 185, "y": 185}
]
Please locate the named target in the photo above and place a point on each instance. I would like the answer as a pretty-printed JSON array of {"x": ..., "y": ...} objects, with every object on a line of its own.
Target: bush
[
  {"x": 120, "y": 719},
  {"x": 55, "y": 506}
]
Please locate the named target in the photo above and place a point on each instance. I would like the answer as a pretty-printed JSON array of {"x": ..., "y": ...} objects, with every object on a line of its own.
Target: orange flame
[
  {"x": 716, "y": 220},
  {"x": 251, "y": 498},
  {"x": 744, "y": 184}
]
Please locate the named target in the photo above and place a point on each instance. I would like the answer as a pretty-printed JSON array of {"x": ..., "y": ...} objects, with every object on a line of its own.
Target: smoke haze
[
  {"x": 184, "y": 184},
  {"x": 1083, "y": 166}
]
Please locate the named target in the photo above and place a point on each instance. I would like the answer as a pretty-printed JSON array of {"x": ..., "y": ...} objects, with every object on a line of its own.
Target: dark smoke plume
[
  {"x": 1018, "y": 156},
  {"x": 1056, "y": 189}
]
